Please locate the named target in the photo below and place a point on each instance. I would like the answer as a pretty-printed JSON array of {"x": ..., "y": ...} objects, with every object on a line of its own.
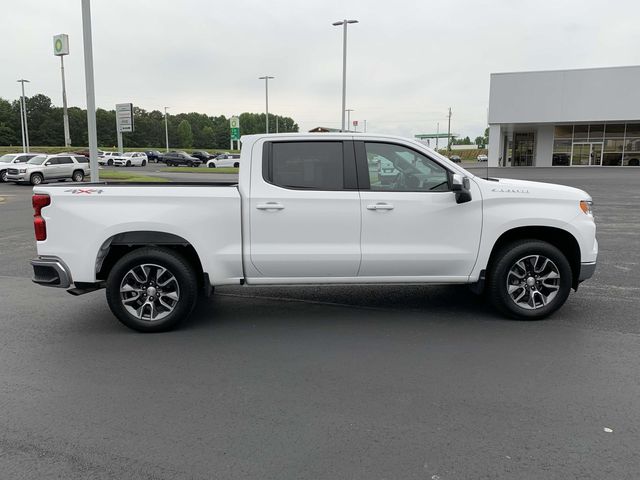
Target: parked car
[
  {"x": 85, "y": 153},
  {"x": 180, "y": 158},
  {"x": 130, "y": 159},
  {"x": 11, "y": 159},
  {"x": 202, "y": 155},
  {"x": 107, "y": 158},
  {"x": 153, "y": 156},
  {"x": 455, "y": 158},
  {"x": 482, "y": 158},
  {"x": 225, "y": 160},
  {"x": 306, "y": 211},
  {"x": 42, "y": 168}
]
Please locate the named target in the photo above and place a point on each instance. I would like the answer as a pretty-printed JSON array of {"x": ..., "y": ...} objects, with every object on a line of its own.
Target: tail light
[{"x": 39, "y": 201}]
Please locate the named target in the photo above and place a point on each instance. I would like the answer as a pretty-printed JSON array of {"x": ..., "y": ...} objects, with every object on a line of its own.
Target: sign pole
[
  {"x": 65, "y": 114},
  {"x": 91, "y": 95}
]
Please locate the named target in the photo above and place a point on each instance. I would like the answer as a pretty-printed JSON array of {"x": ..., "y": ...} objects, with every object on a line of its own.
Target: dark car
[
  {"x": 154, "y": 155},
  {"x": 173, "y": 159},
  {"x": 85, "y": 152},
  {"x": 455, "y": 158},
  {"x": 202, "y": 155}
]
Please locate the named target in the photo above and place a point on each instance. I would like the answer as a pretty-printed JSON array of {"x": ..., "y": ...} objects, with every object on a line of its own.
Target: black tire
[
  {"x": 128, "y": 164},
  {"x": 36, "y": 179},
  {"x": 3, "y": 176},
  {"x": 144, "y": 163},
  {"x": 110, "y": 162},
  {"x": 498, "y": 276},
  {"x": 211, "y": 165},
  {"x": 189, "y": 163},
  {"x": 236, "y": 165},
  {"x": 77, "y": 176},
  {"x": 176, "y": 266}
]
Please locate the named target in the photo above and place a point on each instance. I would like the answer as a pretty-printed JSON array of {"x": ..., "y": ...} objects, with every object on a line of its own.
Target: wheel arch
[
  {"x": 559, "y": 238},
  {"x": 117, "y": 245}
]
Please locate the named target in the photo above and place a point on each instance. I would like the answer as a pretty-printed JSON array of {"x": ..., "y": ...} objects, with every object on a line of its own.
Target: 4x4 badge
[{"x": 87, "y": 191}]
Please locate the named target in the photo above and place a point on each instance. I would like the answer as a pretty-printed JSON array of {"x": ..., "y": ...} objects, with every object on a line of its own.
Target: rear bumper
[
  {"x": 586, "y": 271},
  {"x": 51, "y": 272}
]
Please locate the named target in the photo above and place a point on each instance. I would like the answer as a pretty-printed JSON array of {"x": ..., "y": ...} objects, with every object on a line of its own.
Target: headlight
[
  {"x": 587, "y": 207},
  {"x": 23, "y": 170}
]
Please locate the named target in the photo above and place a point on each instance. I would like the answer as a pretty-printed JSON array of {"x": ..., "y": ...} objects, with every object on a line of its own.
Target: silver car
[
  {"x": 42, "y": 168},
  {"x": 11, "y": 159}
]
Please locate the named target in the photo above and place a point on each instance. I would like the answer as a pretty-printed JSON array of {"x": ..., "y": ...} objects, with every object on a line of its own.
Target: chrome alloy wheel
[
  {"x": 533, "y": 282},
  {"x": 149, "y": 292}
]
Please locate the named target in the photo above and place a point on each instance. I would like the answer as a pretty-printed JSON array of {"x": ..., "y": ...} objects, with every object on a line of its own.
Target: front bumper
[
  {"x": 21, "y": 177},
  {"x": 51, "y": 272},
  {"x": 586, "y": 271}
]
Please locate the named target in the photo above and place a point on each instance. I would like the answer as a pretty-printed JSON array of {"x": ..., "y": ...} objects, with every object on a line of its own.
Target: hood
[{"x": 508, "y": 187}]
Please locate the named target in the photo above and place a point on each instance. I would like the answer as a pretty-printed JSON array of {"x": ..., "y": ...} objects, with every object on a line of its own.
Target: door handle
[
  {"x": 380, "y": 206},
  {"x": 270, "y": 206}
]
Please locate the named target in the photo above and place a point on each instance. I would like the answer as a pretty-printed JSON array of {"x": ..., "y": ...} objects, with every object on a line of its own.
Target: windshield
[
  {"x": 39, "y": 160},
  {"x": 7, "y": 158}
]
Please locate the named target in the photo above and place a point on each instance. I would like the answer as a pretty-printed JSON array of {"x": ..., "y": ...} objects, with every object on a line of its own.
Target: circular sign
[
  {"x": 58, "y": 45},
  {"x": 235, "y": 122}
]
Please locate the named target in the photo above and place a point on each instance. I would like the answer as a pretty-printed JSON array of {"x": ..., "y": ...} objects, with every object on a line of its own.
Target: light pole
[
  {"x": 349, "y": 110},
  {"x": 266, "y": 79},
  {"x": 60, "y": 49},
  {"x": 91, "y": 94},
  {"x": 23, "y": 118},
  {"x": 344, "y": 24},
  {"x": 166, "y": 128}
]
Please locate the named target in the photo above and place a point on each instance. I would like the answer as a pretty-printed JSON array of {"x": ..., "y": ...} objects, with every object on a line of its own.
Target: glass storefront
[{"x": 611, "y": 144}]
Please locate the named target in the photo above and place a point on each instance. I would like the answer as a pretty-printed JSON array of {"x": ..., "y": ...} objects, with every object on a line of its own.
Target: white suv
[
  {"x": 11, "y": 159},
  {"x": 130, "y": 159},
  {"x": 106, "y": 158},
  {"x": 42, "y": 168}
]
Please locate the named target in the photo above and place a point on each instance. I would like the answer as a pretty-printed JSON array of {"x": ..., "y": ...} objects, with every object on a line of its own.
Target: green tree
[{"x": 185, "y": 134}]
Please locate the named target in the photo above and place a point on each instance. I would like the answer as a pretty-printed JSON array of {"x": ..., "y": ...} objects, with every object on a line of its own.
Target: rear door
[{"x": 304, "y": 210}]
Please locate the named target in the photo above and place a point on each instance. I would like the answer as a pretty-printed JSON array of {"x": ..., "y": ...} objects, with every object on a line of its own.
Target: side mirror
[
  {"x": 461, "y": 186},
  {"x": 47, "y": 164}
]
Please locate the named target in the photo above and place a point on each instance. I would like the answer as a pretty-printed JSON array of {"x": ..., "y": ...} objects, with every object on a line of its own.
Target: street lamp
[
  {"x": 344, "y": 24},
  {"x": 23, "y": 118},
  {"x": 166, "y": 128},
  {"x": 266, "y": 79},
  {"x": 349, "y": 110},
  {"x": 91, "y": 94}
]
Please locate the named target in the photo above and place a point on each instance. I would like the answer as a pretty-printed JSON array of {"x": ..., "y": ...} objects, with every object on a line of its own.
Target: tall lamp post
[
  {"x": 266, "y": 79},
  {"x": 166, "y": 128},
  {"x": 91, "y": 94},
  {"x": 23, "y": 118},
  {"x": 344, "y": 24},
  {"x": 60, "y": 49}
]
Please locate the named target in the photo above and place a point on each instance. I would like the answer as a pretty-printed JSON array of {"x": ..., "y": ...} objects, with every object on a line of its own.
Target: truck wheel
[
  {"x": 529, "y": 280},
  {"x": 77, "y": 176},
  {"x": 152, "y": 289},
  {"x": 36, "y": 179}
]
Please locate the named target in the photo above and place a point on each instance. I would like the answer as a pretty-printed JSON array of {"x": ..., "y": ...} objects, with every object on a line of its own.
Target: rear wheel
[
  {"x": 36, "y": 179},
  {"x": 77, "y": 176},
  {"x": 189, "y": 163},
  {"x": 152, "y": 289},
  {"x": 529, "y": 279}
]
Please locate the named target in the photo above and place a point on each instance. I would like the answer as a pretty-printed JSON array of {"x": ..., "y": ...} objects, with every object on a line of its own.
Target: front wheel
[
  {"x": 36, "y": 179},
  {"x": 3, "y": 176},
  {"x": 144, "y": 163},
  {"x": 211, "y": 165},
  {"x": 529, "y": 279},
  {"x": 152, "y": 289},
  {"x": 110, "y": 163}
]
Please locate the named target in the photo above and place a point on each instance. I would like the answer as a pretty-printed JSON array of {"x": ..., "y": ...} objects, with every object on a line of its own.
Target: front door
[
  {"x": 412, "y": 226},
  {"x": 586, "y": 154},
  {"x": 304, "y": 211}
]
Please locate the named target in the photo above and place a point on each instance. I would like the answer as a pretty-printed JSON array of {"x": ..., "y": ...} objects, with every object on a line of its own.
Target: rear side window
[
  {"x": 306, "y": 165},
  {"x": 64, "y": 160},
  {"x": 81, "y": 159}
]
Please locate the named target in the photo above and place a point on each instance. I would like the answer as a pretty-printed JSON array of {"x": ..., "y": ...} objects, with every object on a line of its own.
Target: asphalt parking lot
[{"x": 378, "y": 382}]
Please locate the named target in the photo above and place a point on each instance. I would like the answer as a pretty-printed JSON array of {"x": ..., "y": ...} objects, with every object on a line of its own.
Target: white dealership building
[{"x": 565, "y": 118}]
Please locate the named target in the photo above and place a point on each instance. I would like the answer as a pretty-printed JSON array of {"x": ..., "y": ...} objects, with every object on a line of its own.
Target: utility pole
[
  {"x": 60, "y": 49},
  {"x": 166, "y": 128},
  {"x": 23, "y": 118},
  {"x": 266, "y": 79},
  {"x": 276, "y": 123},
  {"x": 349, "y": 110},
  {"x": 437, "y": 134},
  {"x": 449, "y": 134},
  {"x": 365, "y": 126},
  {"x": 344, "y": 24},
  {"x": 91, "y": 95}
]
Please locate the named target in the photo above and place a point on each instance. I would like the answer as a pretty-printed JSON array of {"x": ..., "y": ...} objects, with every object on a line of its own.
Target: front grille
[{"x": 13, "y": 171}]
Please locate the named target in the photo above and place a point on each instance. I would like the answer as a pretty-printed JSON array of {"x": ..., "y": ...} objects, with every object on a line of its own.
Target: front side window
[
  {"x": 307, "y": 165},
  {"x": 397, "y": 168}
]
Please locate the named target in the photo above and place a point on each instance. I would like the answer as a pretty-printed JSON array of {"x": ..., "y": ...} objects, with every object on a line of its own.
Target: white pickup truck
[{"x": 312, "y": 209}]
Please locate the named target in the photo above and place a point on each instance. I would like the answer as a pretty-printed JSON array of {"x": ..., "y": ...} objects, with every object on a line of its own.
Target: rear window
[
  {"x": 64, "y": 160},
  {"x": 81, "y": 159},
  {"x": 306, "y": 165}
]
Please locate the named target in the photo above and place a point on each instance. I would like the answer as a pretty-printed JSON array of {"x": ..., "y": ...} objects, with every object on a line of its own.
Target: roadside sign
[
  {"x": 61, "y": 44},
  {"x": 124, "y": 117},
  {"x": 355, "y": 123},
  {"x": 234, "y": 122}
]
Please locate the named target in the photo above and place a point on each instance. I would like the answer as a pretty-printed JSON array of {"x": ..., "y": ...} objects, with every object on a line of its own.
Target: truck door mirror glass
[{"x": 460, "y": 185}]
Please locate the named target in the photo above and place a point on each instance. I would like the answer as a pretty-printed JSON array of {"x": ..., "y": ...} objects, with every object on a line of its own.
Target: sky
[{"x": 407, "y": 62}]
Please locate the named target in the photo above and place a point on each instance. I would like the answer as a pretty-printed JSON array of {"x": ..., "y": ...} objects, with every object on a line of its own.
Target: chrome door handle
[
  {"x": 380, "y": 206},
  {"x": 270, "y": 206}
]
